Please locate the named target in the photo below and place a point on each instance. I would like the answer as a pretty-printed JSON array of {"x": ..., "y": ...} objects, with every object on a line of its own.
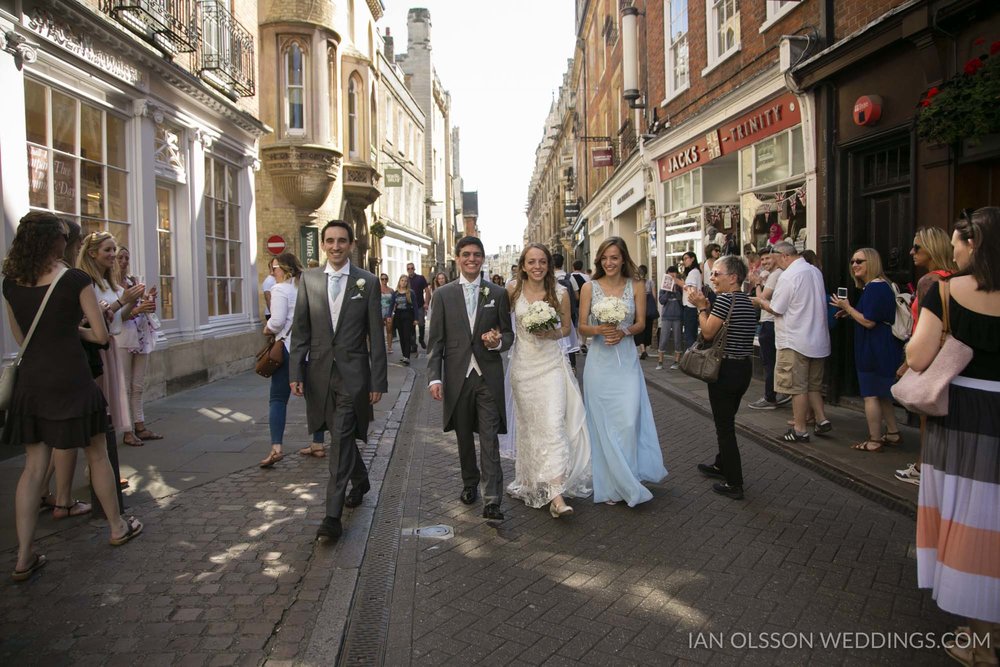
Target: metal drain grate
[{"x": 438, "y": 532}]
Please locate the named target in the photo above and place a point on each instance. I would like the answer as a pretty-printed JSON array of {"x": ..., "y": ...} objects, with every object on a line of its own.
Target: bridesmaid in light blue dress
[{"x": 624, "y": 445}]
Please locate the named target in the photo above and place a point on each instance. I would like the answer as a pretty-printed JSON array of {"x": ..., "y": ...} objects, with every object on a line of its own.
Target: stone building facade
[{"x": 142, "y": 119}]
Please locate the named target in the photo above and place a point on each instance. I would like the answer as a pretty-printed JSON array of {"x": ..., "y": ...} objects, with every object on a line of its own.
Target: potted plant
[{"x": 966, "y": 106}]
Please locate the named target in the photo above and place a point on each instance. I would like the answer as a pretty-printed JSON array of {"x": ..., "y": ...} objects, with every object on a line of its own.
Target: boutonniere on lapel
[
  {"x": 359, "y": 288},
  {"x": 484, "y": 292}
]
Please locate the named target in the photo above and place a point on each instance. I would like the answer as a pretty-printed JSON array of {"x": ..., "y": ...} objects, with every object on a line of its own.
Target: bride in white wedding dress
[{"x": 550, "y": 427}]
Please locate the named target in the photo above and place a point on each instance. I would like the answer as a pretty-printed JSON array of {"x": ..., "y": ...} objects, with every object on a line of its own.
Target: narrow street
[{"x": 227, "y": 571}]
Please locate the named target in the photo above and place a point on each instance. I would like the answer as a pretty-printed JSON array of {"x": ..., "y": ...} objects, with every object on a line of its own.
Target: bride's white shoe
[{"x": 557, "y": 512}]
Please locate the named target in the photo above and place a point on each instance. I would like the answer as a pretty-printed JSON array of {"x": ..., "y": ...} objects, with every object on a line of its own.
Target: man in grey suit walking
[
  {"x": 338, "y": 354},
  {"x": 468, "y": 331}
]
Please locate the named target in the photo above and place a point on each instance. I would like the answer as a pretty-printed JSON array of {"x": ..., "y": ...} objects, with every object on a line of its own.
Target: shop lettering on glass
[{"x": 38, "y": 170}]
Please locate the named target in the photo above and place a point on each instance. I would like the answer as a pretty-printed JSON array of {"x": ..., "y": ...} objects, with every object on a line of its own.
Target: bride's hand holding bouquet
[{"x": 542, "y": 320}]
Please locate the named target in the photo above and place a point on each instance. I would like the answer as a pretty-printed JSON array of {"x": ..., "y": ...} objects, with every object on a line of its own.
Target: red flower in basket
[
  {"x": 925, "y": 103},
  {"x": 994, "y": 48},
  {"x": 973, "y": 66},
  {"x": 932, "y": 92}
]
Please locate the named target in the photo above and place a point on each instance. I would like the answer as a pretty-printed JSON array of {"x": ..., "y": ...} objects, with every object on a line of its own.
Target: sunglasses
[
  {"x": 716, "y": 274},
  {"x": 917, "y": 247},
  {"x": 858, "y": 261}
]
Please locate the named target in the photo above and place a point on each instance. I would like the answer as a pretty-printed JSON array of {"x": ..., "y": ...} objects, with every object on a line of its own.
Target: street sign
[
  {"x": 275, "y": 245},
  {"x": 571, "y": 209},
  {"x": 309, "y": 238},
  {"x": 393, "y": 177},
  {"x": 603, "y": 157}
]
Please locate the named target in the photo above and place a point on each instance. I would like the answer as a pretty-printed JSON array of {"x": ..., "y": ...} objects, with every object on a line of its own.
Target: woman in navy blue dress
[{"x": 877, "y": 353}]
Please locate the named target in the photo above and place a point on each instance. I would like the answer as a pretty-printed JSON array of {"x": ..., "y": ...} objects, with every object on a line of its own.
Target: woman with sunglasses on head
[
  {"x": 56, "y": 404},
  {"x": 958, "y": 514},
  {"x": 877, "y": 352}
]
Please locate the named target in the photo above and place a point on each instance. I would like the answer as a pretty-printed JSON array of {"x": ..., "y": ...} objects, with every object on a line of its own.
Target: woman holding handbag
[
  {"x": 733, "y": 316},
  {"x": 136, "y": 342},
  {"x": 958, "y": 516},
  {"x": 55, "y": 403},
  {"x": 286, "y": 272}
]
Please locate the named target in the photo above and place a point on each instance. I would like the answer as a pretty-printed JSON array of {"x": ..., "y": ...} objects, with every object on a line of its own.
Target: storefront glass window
[
  {"x": 78, "y": 170},
  {"x": 684, "y": 190},
  {"x": 164, "y": 235},
  {"x": 223, "y": 249},
  {"x": 772, "y": 160}
]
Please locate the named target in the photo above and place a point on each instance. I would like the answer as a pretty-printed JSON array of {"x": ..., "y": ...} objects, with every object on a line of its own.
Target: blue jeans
[
  {"x": 690, "y": 317},
  {"x": 278, "y": 405},
  {"x": 767, "y": 356}
]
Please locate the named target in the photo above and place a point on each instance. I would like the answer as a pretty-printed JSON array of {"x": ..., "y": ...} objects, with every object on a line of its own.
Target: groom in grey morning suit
[
  {"x": 470, "y": 326},
  {"x": 338, "y": 328}
]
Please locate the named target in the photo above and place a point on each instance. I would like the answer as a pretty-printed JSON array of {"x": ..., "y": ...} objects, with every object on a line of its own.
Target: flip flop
[
  {"x": 77, "y": 508},
  {"x": 134, "y": 528},
  {"x": 146, "y": 434},
  {"x": 868, "y": 446},
  {"x": 132, "y": 442},
  {"x": 36, "y": 565},
  {"x": 318, "y": 453}
]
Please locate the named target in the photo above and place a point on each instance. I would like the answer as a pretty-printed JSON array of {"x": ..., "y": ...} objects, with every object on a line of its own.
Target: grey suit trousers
[
  {"x": 344, "y": 457},
  {"x": 476, "y": 410}
]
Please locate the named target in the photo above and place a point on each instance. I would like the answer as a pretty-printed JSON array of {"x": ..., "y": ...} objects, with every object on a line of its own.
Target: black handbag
[{"x": 703, "y": 360}]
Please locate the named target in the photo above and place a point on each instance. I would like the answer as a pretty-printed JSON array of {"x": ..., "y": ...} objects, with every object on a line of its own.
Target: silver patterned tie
[
  {"x": 333, "y": 290},
  {"x": 470, "y": 299}
]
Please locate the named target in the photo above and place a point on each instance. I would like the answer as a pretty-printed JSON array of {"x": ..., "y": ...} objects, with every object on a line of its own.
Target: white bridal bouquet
[
  {"x": 610, "y": 310},
  {"x": 540, "y": 317}
]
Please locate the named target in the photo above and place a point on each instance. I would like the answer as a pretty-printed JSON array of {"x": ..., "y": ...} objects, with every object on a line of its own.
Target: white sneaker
[
  {"x": 659, "y": 367},
  {"x": 911, "y": 475},
  {"x": 762, "y": 404},
  {"x": 674, "y": 366}
]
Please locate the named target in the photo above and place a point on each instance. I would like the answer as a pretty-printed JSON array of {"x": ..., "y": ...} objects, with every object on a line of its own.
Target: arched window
[
  {"x": 373, "y": 127},
  {"x": 331, "y": 64},
  {"x": 295, "y": 89},
  {"x": 352, "y": 117}
]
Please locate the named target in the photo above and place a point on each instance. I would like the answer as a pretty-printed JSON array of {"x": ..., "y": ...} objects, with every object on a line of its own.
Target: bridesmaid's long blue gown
[{"x": 624, "y": 444}]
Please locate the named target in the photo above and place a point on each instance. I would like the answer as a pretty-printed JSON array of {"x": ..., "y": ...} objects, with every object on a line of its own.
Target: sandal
[
  {"x": 868, "y": 446},
  {"x": 271, "y": 459},
  {"x": 897, "y": 438},
  {"x": 146, "y": 434},
  {"x": 132, "y": 441},
  {"x": 47, "y": 504},
  {"x": 134, "y": 528},
  {"x": 317, "y": 452},
  {"x": 36, "y": 565},
  {"x": 123, "y": 484},
  {"x": 77, "y": 508}
]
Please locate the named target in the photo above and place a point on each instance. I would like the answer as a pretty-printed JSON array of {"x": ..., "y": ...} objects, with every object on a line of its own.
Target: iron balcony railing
[
  {"x": 226, "y": 53},
  {"x": 169, "y": 24}
]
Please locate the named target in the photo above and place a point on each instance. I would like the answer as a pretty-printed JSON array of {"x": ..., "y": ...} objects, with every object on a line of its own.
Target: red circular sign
[
  {"x": 867, "y": 110},
  {"x": 275, "y": 245}
]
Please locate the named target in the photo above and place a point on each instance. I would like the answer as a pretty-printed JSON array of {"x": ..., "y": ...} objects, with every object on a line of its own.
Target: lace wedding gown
[{"x": 550, "y": 425}]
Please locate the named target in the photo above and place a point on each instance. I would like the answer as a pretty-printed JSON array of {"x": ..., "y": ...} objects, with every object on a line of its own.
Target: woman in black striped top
[{"x": 725, "y": 394}]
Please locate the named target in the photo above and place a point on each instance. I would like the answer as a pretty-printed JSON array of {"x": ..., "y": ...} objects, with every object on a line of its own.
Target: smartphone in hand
[{"x": 841, "y": 292}]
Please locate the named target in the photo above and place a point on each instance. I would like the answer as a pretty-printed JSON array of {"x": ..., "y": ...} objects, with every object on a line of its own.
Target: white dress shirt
[
  {"x": 342, "y": 275},
  {"x": 799, "y": 302},
  {"x": 462, "y": 282}
]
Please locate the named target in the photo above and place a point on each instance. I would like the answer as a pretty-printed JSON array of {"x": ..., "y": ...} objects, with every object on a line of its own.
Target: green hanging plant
[
  {"x": 967, "y": 106},
  {"x": 377, "y": 229}
]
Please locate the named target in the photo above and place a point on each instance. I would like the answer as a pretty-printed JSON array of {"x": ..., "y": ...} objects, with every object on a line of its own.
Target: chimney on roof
[{"x": 390, "y": 46}]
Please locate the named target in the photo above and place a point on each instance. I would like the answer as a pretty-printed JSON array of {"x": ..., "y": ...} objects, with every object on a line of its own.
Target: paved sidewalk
[
  {"x": 620, "y": 586},
  {"x": 871, "y": 473},
  {"x": 227, "y": 570}
]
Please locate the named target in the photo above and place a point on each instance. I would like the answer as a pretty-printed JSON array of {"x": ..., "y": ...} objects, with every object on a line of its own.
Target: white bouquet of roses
[
  {"x": 610, "y": 310},
  {"x": 540, "y": 317}
]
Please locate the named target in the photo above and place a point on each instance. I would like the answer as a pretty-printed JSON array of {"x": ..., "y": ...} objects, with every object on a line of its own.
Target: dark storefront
[{"x": 879, "y": 181}]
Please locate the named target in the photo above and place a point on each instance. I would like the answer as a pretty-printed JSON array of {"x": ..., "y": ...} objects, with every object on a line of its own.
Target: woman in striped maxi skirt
[{"x": 958, "y": 518}]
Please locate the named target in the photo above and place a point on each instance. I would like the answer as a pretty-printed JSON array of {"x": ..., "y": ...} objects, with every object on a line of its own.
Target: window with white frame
[
  {"x": 295, "y": 89},
  {"x": 684, "y": 191},
  {"x": 390, "y": 133},
  {"x": 331, "y": 65},
  {"x": 223, "y": 245},
  {"x": 165, "y": 226},
  {"x": 723, "y": 29},
  {"x": 777, "y": 158},
  {"x": 352, "y": 117},
  {"x": 76, "y": 160},
  {"x": 778, "y": 8},
  {"x": 676, "y": 34}
]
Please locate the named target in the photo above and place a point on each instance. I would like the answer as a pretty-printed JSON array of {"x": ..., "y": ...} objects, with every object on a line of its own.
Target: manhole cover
[{"x": 438, "y": 532}]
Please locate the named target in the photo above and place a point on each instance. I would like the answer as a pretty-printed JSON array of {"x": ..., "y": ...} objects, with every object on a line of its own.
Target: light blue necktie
[
  {"x": 470, "y": 299},
  {"x": 333, "y": 290}
]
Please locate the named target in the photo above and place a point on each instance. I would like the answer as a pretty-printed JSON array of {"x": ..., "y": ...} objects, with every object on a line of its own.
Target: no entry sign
[{"x": 275, "y": 245}]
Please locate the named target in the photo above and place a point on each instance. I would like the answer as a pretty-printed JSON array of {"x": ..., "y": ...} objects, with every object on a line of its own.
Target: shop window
[
  {"x": 778, "y": 158},
  {"x": 723, "y": 29},
  {"x": 223, "y": 245},
  {"x": 676, "y": 33},
  {"x": 76, "y": 161},
  {"x": 165, "y": 226},
  {"x": 295, "y": 89},
  {"x": 684, "y": 191}
]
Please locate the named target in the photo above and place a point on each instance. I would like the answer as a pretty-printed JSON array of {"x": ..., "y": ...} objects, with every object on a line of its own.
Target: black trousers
[
  {"x": 768, "y": 356},
  {"x": 725, "y": 395},
  {"x": 476, "y": 411},
  {"x": 402, "y": 324}
]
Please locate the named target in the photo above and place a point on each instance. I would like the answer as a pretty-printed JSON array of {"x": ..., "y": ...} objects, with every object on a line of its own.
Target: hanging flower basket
[
  {"x": 965, "y": 107},
  {"x": 377, "y": 229}
]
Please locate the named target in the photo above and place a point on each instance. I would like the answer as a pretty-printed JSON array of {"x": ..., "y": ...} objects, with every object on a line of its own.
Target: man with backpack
[{"x": 566, "y": 281}]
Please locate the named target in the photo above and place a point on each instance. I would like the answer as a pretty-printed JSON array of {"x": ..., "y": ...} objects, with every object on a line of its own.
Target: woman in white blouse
[{"x": 286, "y": 271}]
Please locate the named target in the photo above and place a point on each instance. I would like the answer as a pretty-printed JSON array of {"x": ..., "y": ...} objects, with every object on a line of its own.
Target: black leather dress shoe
[
  {"x": 330, "y": 529},
  {"x": 357, "y": 494},
  {"x": 492, "y": 512},
  {"x": 728, "y": 490},
  {"x": 469, "y": 495},
  {"x": 710, "y": 471}
]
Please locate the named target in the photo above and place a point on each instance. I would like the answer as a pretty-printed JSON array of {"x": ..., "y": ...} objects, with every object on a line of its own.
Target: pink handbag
[{"x": 926, "y": 392}]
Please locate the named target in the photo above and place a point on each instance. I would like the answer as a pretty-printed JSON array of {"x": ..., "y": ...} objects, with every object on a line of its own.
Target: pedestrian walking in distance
[
  {"x": 338, "y": 324},
  {"x": 470, "y": 328},
  {"x": 401, "y": 311}
]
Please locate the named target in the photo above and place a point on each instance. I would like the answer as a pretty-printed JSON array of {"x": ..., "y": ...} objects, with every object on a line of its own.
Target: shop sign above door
[
  {"x": 628, "y": 195},
  {"x": 770, "y": 118},
  {"x": 602, "y": 157}
]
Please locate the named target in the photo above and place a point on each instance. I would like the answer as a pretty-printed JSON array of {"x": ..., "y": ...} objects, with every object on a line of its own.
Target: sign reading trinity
[{"x": 770, "y": 118}]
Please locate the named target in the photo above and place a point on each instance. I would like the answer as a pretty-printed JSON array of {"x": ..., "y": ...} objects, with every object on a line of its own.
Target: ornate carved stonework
[
  {"x": 361, "y": 183},
  {"x": 168, "y": 154},
  {"x": 305, "y": 174}
]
